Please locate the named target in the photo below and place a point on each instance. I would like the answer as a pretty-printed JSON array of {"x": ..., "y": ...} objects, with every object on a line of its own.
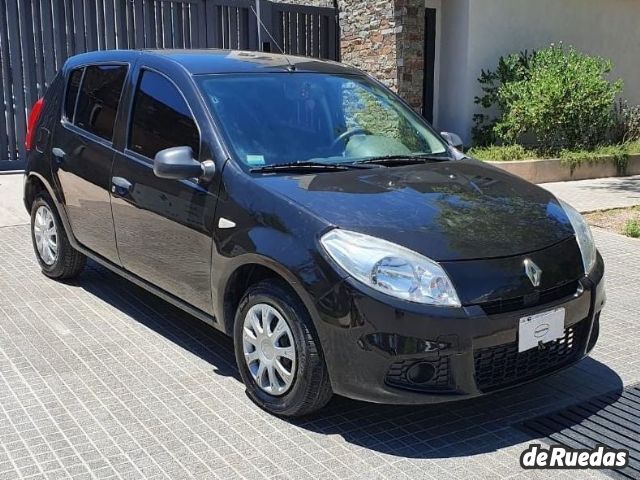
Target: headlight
[
  {"x": 583, "y": 236},
  {"x": 390, "y": 268}
]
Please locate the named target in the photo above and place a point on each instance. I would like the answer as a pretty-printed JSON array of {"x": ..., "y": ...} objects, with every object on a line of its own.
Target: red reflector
[{"x": 33, "y": 120}]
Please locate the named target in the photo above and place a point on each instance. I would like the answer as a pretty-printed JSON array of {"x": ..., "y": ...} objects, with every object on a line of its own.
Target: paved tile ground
[
  {"x": 99, "y": 379},
  {"x": 598, "y": 194}
]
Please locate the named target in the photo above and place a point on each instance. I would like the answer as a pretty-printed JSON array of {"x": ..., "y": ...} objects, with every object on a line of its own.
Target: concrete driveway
[
  {"x": 99, "y": 379},
  {"x": 12, "y": 211},
  {"x": 598, "y": 194}
]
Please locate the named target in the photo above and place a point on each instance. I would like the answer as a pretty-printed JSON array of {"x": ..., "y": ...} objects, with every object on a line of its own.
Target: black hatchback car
[{"x": 301, "y": 207}]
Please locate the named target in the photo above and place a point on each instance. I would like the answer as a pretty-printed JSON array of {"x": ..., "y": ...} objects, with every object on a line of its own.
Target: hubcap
[
  {"x": 269, "y": 351},
  {"x": 44, "y": 231}
]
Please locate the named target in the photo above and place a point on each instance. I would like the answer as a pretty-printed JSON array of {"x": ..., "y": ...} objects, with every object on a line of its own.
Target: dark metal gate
[{"x": 37, "y": 36}]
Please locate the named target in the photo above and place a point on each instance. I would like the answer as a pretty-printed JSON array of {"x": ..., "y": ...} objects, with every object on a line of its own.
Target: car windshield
[{"x": 280, "y": 118}]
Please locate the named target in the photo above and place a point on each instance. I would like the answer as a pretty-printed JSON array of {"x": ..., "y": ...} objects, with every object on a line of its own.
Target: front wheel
[{"x": 277, "y": 354}]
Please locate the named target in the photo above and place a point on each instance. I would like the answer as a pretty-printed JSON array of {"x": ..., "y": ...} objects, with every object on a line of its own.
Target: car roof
[{"x": 210, "y": 61}]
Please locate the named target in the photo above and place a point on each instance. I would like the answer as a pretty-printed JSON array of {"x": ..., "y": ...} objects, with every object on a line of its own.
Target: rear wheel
[
  {"x": 278, "y": 356},
  {"x": 57, "y": 258}
]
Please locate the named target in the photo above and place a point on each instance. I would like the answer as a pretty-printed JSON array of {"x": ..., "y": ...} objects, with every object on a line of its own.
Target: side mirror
[
  {"x": 452, "y": 139},
  {"x": 177, "y": 163}
]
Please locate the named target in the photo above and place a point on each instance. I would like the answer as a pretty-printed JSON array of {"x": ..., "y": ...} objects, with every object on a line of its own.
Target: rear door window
[
  {"x": 161, "y": 118},
  {"x": 72, "y": 93},
  {"x": 98, "y": 99}
]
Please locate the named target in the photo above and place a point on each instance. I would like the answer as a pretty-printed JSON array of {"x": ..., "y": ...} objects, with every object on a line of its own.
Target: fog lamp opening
[{"x": 421, "y": 372}]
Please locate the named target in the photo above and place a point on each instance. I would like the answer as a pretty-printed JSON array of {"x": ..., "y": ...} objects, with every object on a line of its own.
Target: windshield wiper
[
  {"x": 308, "y": 166},
  {"x": 408, "y": 159}
]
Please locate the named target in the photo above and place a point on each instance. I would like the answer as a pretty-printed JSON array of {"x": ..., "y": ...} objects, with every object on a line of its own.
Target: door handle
[
  {"x": 120, "y": 186},
  {"x": 58, "y": 155}
]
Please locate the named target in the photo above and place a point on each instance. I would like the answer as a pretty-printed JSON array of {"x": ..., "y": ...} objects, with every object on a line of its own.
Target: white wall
[
  {"x": 477, "y": 32},
  {"x": 454, "y": 74}
]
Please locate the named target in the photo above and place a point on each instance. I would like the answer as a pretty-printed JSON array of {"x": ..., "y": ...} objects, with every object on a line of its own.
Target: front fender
[{"x": 290, "y": 257}]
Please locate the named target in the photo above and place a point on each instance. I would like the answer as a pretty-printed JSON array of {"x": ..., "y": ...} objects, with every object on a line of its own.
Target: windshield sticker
[{"x": 254, "y": 160}]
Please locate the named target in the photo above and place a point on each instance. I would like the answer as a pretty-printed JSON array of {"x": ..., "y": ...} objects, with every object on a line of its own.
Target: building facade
[{"x": 432, "y": 51}]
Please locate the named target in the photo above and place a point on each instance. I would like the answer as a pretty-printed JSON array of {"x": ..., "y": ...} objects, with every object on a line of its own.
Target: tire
[
  {"x": 310, "y": 388},
  {"x": 62, "y": 262}
]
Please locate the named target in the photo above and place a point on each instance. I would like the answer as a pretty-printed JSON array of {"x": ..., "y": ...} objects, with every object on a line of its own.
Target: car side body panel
[
  {"x": 164, "y": 228},
  {"x": 83, "y": 172},
  {"x": 271, "y": 232},
  {"x": 83, "y": 177}
]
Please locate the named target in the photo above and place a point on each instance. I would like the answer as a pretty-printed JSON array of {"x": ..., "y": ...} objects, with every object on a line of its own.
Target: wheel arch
[
  {"x": 251, "y": 270},
  {"x": 35, "y": 183}
]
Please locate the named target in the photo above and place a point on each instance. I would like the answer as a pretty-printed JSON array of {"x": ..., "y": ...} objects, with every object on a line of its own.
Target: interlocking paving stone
[
  {"x": 100, "y": 379},
  {"x": 599, "y": 193},
  {"x": 612, "y": 419}
]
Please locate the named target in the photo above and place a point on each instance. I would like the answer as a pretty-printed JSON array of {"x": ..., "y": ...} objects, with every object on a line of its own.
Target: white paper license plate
[{"x": 542, "y": 327}]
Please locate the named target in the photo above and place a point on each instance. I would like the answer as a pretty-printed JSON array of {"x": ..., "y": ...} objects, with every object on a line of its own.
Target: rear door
[
  {"x": 83, "y": 153},
  {"x": 164, "y": 227}
]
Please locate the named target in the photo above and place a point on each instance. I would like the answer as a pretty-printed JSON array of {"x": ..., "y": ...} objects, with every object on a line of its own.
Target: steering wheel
[{"x": 348, "y": 134}]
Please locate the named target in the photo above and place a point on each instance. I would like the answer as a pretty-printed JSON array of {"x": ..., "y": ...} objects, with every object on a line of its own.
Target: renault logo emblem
[{"x": 533, "y": 272}]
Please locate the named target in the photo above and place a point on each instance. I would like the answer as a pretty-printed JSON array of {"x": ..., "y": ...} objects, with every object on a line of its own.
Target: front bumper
[{"x": 383, "y": 353}]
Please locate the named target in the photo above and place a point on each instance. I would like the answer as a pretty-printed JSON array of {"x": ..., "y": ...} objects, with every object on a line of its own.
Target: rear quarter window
[
  {"x": 72, "y": 93},
  {"x": 98, "y": 99}
]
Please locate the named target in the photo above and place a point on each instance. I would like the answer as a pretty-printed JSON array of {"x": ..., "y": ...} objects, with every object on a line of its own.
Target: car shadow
[
  {"x": 445, "y": 430},
  {"x": 467, "y": 427}
]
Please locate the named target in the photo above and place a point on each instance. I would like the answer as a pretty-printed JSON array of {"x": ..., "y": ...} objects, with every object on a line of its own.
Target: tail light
[{"x": 34, "y": 116}]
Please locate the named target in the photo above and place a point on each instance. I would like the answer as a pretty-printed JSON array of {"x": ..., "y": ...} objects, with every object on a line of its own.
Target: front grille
[
  {"x": 501, "y": 366},
  {"x": 397, "y": 375},
  {"x": 532, "y": 300}
]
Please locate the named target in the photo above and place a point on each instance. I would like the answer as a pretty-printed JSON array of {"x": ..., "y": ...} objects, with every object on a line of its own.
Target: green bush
[
  {"x": 631, "y": 228},
  {"x": 627, "y": 122},
  {"x": 501, "y": 153},
  {"x": 620, "y": 153},
  {"x": 573, "y": 158},
  {"x": 557, "y": 97},
  {"x": 511, "y": 69}
]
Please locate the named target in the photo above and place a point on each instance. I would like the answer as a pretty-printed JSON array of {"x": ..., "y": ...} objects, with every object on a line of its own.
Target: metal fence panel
[
  {"x": 303, "y": 30},
  {"x": 37, "y": 36},
  {"x": 90, "y": 14},
  {"x": 16, "y": 78},
  {"x": 7, "y": 135}
]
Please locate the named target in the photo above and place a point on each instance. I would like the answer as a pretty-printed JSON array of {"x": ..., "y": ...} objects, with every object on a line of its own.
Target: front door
[
  {"x": 163, "y": 227},
  {"x": 84, "y": 154}
]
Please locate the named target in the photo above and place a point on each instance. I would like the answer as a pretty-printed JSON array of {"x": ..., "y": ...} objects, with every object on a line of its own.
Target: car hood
[{"x": 448, "y": 211}]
